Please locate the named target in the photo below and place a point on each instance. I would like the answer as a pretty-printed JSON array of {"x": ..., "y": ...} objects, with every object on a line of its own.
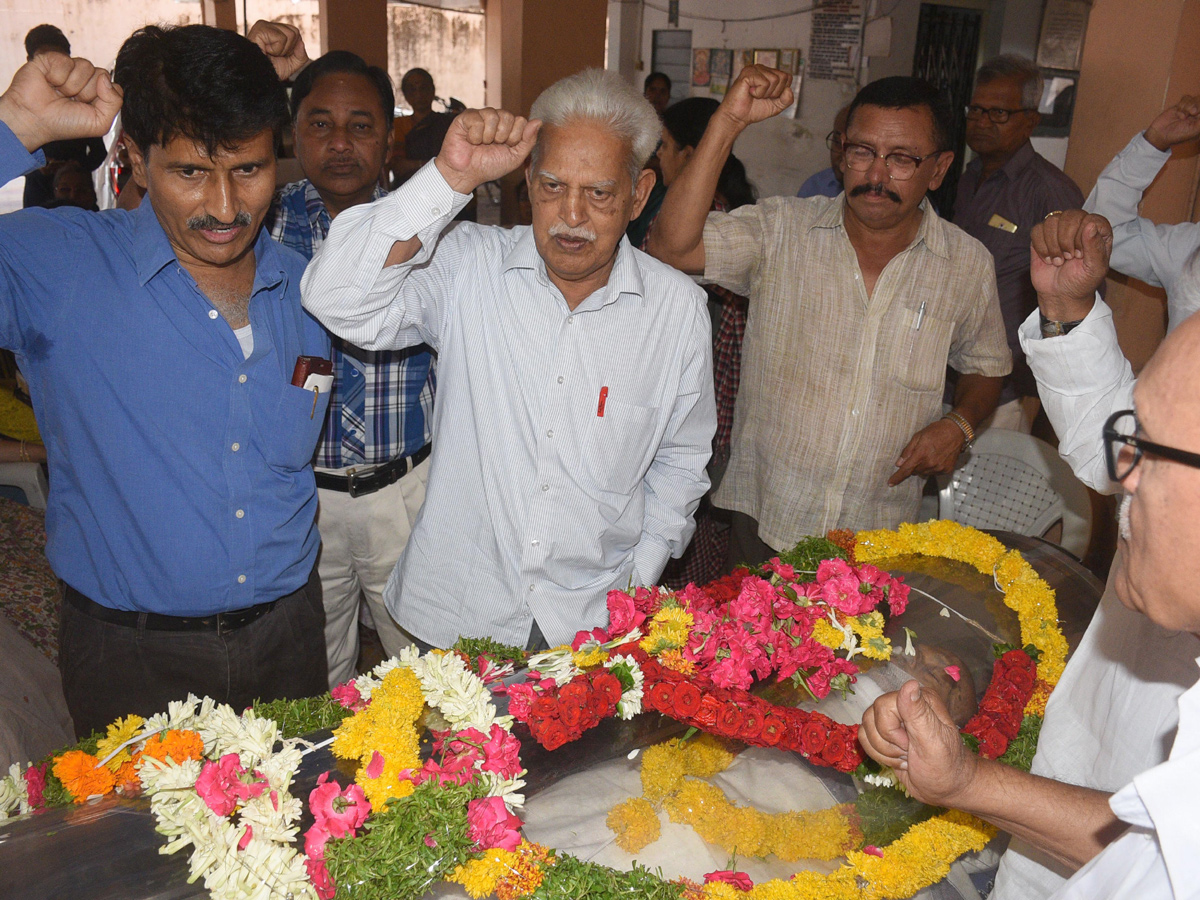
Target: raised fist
[
  {"x": 283, "y": 45},
  {"x": 1068, "y": 259},
  {"x": 55, "y": 97},
  {"x": 483, "y": 145},
  {"x": 757, "y": 93}
]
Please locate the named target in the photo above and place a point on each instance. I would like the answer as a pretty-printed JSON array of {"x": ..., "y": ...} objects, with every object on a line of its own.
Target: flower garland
[{"x": 219, "y": 781}]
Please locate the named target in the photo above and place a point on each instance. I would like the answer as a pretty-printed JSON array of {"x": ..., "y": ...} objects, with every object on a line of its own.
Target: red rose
[
  {"x": 687, "y": 699},
  {"x": 992, "y": 743},
  {"x": 730, "y": 719},
  {"x": 573, "y": 693},
  {"x": 995, "y": 705},
  {"x": 706, "y": 715},
  {"x": 752, "y": 723},
  {"x": 545, "y": 707},
  {"x": 553, "y": 735},
  {"x": 1017, "y": 658},
  {"x": 587, "y": 720},
  {"x": 609, "y": 685},
  {"x": 1009, "y": 726},
  {"x": 772, "y": 730},
  {"x": 652, "y": 671},
  {"x": 812, "y": 738},
  {"x": 1021, "y": 678},
  {"x": 836, "y": 747},
  {"x": 599, "y": 705},
  {"x": 660, "y": 696},
  {"x": 569, "y": 714}
]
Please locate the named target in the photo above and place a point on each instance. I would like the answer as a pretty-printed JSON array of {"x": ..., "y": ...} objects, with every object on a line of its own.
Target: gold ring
[{"x": 1050, "y": 215}]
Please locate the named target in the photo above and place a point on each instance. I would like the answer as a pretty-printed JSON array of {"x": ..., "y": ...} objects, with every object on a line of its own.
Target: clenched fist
[{"x": 55, "y": 97}]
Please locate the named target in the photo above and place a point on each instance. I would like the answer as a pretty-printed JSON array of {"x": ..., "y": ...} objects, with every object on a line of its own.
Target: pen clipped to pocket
[{"x": 313, "y": 373}]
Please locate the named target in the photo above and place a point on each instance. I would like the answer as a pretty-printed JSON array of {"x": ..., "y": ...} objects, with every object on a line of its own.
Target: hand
[
  {"x": 932, "y": 451},
  {"x": 757, "y": 93},
  {"x": 483, "y": 145},
  {"x": 54, "y": 97},
  {"x": 911, "y": 731},
  {"x": 283, "y": 45},
  {"x": 1068, "y": 260},
  {"x": 1176, "y": 124}
]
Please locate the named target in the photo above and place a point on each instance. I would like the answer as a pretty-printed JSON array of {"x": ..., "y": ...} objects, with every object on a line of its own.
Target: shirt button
[
  {"x": 235, "y": 447},
  {"x": 560, "y": 379},
  {"x": 241, "y": 513},
  {"x": 854, "y": 412},
  {"x": 570, "y": 320},
  {"x": 549, "y": 432},
  {"x": 534, "y": 542},
  {"x": 241, "y": 579},
  {"x": 435, "y": 210},
  {"x": 532, "y": 588},
  {"x": 545, "y": 487},
  {"x": 241, "y": 379},
  {"x": 212, "y": 313}
]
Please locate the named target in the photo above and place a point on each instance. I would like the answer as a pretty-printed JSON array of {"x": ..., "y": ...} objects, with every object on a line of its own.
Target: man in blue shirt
[
  {"x": 828, "y": 182},
  {"x": 371, "y": 461},
  {"x": 159, "y": 346}
]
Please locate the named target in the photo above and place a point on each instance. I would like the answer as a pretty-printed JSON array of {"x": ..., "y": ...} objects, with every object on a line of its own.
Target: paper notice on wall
[
  {"x": 836, "y": 44},
  {"x": 1064, "y": 24}
]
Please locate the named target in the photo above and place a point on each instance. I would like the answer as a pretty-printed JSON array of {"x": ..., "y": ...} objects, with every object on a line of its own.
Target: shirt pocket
[
  {"x": 294, "y": 428},
  {"x": 922, "y": 350},
  {"x": 618, "y": 447}
]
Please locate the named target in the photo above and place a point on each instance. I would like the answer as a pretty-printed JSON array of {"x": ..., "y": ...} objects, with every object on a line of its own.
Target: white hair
[
  {"x": 606, "y": 98},
  {"x": 1019, "y": 68}
]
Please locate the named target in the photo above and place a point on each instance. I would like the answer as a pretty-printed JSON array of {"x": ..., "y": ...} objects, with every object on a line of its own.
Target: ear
[
  {"x": 940, "y": 168},
  {"x": 641, "y": 192},
  {"x": 137, "y": 159},
  {"x": 684, "y": 155}
]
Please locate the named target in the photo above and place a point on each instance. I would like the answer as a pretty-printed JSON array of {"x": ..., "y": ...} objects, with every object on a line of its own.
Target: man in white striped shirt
[{"x": 575, "y": 408}]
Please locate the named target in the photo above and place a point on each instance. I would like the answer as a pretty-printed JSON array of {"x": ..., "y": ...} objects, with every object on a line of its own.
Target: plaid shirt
[{"x": 398, "y": 398}]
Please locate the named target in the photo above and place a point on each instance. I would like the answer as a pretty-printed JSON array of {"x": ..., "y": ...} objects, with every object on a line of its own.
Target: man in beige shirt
[{"x": 857, "y": 304}]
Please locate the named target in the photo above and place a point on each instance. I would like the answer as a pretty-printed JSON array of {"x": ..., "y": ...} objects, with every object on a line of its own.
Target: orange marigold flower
[
  {"x": 180, "y": 746},
  {"x": 126, "y": 777},
  {"x": 844, "y": 538},
  {"x": 673, "y": 659},
  {"x": 527, "y": 873},
  {"x": 82, "y": 775}
]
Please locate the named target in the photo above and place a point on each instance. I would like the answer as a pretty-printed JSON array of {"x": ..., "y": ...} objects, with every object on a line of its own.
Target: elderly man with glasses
[
  {"x": 857, "y": 304},
  {"x": 1004, "y": 192},
  {"x": 1115, "y": 712}
]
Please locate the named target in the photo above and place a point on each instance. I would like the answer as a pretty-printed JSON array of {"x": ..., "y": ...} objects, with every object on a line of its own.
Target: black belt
[
  {"x": 357, "y": 483},
  {"x": 218, "y": 622}
]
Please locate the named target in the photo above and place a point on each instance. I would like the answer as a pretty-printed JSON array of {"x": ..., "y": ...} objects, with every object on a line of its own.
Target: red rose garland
[
  {"x": 562, "y": 714},
  {"x": 1003, "y": 705}
]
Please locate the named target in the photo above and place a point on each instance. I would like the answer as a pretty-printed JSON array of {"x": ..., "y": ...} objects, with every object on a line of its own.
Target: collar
[
  {"x": 625, "y": 277},
  {"x": 931, "y": 232},
  {"x": 152, "y": 251},
  {"x": 1011, "y": 169}
]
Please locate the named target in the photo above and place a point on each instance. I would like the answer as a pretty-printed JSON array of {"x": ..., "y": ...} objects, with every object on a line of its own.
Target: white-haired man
[{"x": 575, "y": 404}]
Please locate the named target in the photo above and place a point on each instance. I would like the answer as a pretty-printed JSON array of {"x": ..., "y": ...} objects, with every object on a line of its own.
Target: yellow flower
[
  {"x": 825, "y": 633},
  {"x": 386, "y": 727},
  {"x": 635, "y": 823},
  {"x": 669, "y": 630},
  {"x": 118, "y": 733},
  {"x": 869, "y": 628},
  {"x": 480, "y": 876},
  {"x": 590, "y": 659},
  {"x": 674, "y": 659}
]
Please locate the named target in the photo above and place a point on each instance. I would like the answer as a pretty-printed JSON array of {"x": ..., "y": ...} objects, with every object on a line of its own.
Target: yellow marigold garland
[
  {"x": 635, "y": 823},
  {"x": 387, "y": 726},
  {"x": 669, "y": 630}
]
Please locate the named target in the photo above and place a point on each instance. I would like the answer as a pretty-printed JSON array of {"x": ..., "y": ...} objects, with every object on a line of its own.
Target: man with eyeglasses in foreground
[
  {"x": 1004, "y": 192},
  {"x": 857, "y": 304},
  {"x": 1114, "y": 713}
]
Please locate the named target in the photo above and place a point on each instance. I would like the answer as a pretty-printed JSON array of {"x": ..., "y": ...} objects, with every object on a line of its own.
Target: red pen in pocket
[{"x": 603, "y": 399}]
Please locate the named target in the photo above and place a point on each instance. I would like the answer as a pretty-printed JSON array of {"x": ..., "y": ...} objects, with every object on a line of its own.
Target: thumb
[
  {"x": 1097, "y": 246},
  {"x": 922, "y": 711},
  {"x": 528, "y": 137}
]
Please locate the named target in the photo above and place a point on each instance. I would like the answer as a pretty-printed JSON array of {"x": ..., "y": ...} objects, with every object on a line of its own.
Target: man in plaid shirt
[{"x": 371, "y": 462}]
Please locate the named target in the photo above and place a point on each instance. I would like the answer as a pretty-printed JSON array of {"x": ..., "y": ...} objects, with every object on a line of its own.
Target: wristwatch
[{"x": 1050, "y": 328}]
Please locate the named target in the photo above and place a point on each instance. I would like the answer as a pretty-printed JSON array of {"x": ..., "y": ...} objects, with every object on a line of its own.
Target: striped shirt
[
  {"x": 571, "y": 444},
  {"x": 396, "y": 410}
]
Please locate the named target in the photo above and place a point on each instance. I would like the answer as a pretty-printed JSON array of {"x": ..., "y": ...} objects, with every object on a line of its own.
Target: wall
[
  {"x": 451, "y": 45},
  {"x": 780, "y": 153}
]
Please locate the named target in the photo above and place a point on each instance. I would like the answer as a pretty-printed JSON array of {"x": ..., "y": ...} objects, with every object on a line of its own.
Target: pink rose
[
  {"x": 339, "y": 811},
  {"x": 832, "y": 568},
  {"x": 582, "y": 637},
  {"x": 782, "y": 569},
  {"x": 501, "y": 753},
  {"x": 348, "y": 696},
  {"x": 491, "y": 825},
  {"x": 739, "y": 880},
  {"x": 375, "y": 766},
  {"x": 247, "y": 836},
  {"x": 320, "y": 878},
  {"x": 314, "y": 841},
  {"x": 842, "y": 592},
  {"x": 520, "y": 701},
  {"x": 224, "y": 785},
  {"x": 35, "y": 785},
  {"x": 623, "y": 613}
]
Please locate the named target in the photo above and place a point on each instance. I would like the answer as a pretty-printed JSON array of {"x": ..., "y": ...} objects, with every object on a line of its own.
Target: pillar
[{"x": 360, "y": 26}]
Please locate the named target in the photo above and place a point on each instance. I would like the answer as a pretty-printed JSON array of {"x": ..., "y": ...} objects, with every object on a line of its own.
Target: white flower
[
  {"x": 630, "y": 703},
  {"x": 14, "y": 792},
  {"x": 886, "y": 778},
  {"x": 558, "y": 664}
]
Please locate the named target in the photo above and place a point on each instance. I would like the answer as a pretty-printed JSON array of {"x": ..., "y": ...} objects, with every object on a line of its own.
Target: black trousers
[{"x": 111, "y": 670}]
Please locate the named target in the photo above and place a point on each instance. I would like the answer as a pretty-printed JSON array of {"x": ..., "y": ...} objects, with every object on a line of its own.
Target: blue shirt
[
  {"x": 179, "y": 470},
  {"x": 823, "y": 184},
  {"x": 394, "y": 411}
]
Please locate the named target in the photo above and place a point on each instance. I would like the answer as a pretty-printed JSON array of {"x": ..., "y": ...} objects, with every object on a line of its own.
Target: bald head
[{"x": 1160, "y": 541}]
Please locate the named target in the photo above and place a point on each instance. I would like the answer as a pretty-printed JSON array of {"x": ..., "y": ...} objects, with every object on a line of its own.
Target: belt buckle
[{"x": 352, "y": 482}]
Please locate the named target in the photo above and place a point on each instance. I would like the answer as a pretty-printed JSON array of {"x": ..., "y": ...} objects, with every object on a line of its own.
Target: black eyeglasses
[
  {"x": 833, "y": 140},
  {"x": 997, "y": 114},
  {"x": 1123, "y": 449},
  {"x": 900, "y": 166}
]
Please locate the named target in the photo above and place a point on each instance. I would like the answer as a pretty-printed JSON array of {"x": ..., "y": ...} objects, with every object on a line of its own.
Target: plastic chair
[
  {"x": 1016, "y": 482},
  {"x": 30, "y": 478}
]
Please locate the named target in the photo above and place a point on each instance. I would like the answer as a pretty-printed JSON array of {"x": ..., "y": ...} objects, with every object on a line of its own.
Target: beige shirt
[{"x": 835, "y": 383}]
